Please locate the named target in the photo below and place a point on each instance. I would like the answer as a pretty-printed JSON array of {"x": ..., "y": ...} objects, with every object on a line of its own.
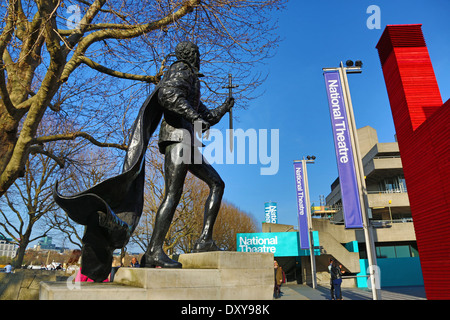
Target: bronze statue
[{"x": 111, "y": 209}]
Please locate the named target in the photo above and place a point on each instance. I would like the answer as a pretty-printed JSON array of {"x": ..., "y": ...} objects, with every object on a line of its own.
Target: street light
[{"x": 362, "y": 190}]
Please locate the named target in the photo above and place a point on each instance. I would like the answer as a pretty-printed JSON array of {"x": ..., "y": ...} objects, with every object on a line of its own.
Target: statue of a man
[
  {"x": 179, "y": 97},
  {"x": 111, "y": 210}
]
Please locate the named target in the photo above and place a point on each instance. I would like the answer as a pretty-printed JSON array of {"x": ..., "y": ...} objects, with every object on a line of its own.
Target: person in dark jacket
[
  {"x": 335, "y": 279},
  {"x": 278, "y": 273}
]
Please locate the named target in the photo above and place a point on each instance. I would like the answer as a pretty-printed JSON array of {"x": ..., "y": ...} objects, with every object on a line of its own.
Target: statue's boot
[
  {"x": 104, "y": 233},
  {"x": 205, "y": 246},
  {"x": 158, "y": 259}
]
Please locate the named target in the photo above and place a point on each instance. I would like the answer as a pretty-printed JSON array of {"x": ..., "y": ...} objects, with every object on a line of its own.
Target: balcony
[
  {"x": 380, "y": 168},
  {"x": 392, "y": 198}
]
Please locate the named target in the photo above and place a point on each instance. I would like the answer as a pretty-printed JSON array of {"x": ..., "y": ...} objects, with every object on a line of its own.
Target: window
[
  {"x": 391, "y": 250},
  {"x": 393, "y": 184},
  {"x": 402, "y": 183},
  {"x": 402, "y": 251},
  {"x": 386, "y": 252}
]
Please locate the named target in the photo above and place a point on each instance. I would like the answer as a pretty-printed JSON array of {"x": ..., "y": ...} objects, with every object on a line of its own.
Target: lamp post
[
  {"x": 309, "y": 159},
  {"x": 359, "y": 170}
]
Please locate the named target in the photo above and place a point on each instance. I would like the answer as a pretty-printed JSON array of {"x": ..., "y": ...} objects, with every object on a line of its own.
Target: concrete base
[
  {"x": 24, "y": 284},
  {"x": 205, "y": 276}
]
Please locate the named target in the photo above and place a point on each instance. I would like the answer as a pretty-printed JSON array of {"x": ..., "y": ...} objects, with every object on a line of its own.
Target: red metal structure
[{"x": 422, "y": 124}]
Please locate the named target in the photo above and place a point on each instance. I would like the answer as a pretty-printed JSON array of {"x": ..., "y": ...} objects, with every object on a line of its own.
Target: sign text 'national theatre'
[{"x": 344, "y": 153}]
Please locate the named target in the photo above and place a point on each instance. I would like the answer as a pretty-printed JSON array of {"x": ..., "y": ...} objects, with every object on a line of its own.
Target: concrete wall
[
  {"x": 25, "y": 284},
  {"x": 277, "y": 227},
  {"x": 382, "y": 200},
  {"x": 396, "y": 232}
]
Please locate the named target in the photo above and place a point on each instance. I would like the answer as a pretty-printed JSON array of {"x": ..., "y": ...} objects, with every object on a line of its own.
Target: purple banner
[
  {"x": 301, "y": 205},
  {"x": 344, "y": 153}
]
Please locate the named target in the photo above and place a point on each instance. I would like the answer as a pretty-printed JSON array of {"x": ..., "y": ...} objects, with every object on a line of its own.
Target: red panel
[{"x": 423, "y": 133}]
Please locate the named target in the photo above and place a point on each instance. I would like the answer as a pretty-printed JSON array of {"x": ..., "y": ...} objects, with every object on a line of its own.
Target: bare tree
[
  {"x": 61, "y": 56},
  {"x": 231, "y": 221},
  {"x": 27, "y": 201},
  {"x": 27, "y": 209}
]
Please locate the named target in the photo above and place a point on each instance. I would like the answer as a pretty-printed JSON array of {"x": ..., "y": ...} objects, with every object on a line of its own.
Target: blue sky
[{"x": 320, "y": 34}]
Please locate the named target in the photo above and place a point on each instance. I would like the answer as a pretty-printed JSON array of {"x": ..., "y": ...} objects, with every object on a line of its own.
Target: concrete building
[
  {"x": 393, "y": 229},
  {"x": 46, "y": 244},
  {"x": 385, "y": 182},
  {"x": 7, "y": 249},
  {"x": 389, "y": 214}
]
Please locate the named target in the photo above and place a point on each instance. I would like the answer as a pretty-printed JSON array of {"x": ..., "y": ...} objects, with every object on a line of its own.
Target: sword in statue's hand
[{"x": 230, "y": 95}]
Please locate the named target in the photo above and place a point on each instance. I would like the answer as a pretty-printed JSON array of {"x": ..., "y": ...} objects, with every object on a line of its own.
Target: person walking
[
  {"x": 116, "y": 264},
  {"x": 278, "y": 273},
  {"x": 336, "y": 280},
  {"x": 330, "y": 265}
]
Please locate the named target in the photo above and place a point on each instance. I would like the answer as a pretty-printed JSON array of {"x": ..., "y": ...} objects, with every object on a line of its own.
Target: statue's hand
[{"x": 229, "y": 103}]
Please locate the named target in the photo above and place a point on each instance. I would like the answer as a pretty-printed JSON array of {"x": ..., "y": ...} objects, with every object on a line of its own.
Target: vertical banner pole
[
  {"x": 301, "y": 206},
  {"x": 351, "y": 203},
  {"x": 310, "y": 229},
  {"x": 368, "y": 232}
]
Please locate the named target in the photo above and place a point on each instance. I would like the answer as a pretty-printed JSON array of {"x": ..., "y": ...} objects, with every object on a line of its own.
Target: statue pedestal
[{"x": 205, "y": 276}]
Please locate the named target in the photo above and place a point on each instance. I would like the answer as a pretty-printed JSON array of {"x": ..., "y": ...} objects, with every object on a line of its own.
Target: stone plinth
[
  {"x": 205, "y": 276},
  {"x": 24, "y": 284}
]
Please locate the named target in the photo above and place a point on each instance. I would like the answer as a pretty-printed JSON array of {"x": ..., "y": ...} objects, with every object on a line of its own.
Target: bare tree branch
[
  {"x": 73, "y": 136},
  {"x": 118, "y": 74}
]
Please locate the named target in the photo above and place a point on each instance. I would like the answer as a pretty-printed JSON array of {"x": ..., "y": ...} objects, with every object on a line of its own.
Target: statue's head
[{"x": 189, "y": 52}]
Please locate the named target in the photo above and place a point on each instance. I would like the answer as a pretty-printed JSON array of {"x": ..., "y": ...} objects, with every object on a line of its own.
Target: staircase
[{"x": 349, "y": 260}]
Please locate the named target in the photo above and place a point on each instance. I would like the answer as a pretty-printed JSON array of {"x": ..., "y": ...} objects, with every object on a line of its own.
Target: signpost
[
  {"x": 304, "y": 212},
  {"x": 340, "y": 102}
]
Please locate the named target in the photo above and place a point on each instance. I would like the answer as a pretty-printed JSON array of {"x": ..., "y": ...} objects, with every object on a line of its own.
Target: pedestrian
[
  {"x": 278, "y": 274},
  {"x": 336, "y": 279},
  {"x": 134, "y": 263},
  {"x": 331, "y": 280},
  {"x": 8, "y": 268},
  {"x": 74, "y": 258},
  {"x": 114, "y": 267}
]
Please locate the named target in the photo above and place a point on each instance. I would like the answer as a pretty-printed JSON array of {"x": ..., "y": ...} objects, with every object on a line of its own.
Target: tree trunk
[
  {"x": 8, "y": 139},
  {"x": 23, "y": 243}
]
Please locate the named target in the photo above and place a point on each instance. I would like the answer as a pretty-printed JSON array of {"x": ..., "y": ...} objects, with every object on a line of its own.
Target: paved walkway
[{"x": 292, "y": 291}]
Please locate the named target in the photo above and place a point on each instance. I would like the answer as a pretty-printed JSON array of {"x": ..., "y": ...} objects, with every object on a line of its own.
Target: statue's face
[
  {"x": 195, "y": 58},
  {"x": 190, "y": 53}
]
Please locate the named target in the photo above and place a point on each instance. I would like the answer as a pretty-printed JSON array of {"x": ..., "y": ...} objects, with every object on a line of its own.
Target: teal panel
[
  {"x": 352, "y": 246},
  {"x": 306, "y": 253},
  {"x": 395, "y": 272}
]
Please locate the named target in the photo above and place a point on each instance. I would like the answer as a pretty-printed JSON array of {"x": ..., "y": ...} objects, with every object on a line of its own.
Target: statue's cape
[
  {"x": 111, "y": 209},
  {"x": 120, "y": 196}
]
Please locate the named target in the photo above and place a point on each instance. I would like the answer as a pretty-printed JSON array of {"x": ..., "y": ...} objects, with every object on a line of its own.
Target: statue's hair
[{"x": 184, "y": 49}]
